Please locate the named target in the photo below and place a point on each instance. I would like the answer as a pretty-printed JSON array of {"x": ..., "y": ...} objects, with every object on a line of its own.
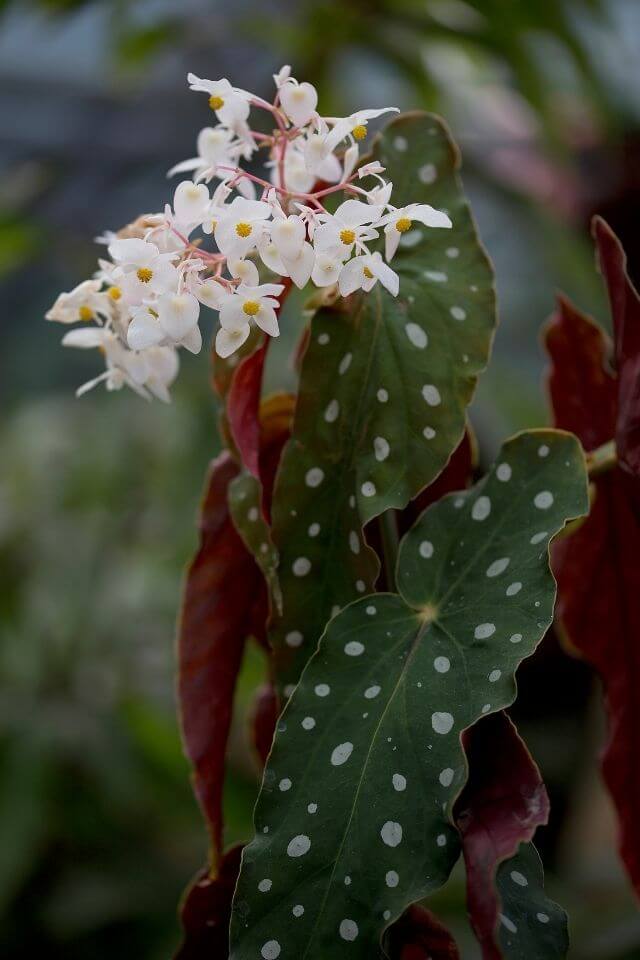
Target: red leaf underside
[
  {"x": 224, "y": 602},
  {"x": 501, "y": 806},
  {"x": 597, "y": 567}
]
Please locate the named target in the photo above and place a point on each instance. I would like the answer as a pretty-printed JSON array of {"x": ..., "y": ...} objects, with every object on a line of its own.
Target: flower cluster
[{"x": 144, "y": 301}]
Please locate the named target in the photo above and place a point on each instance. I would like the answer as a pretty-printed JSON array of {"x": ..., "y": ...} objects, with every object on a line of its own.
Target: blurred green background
[{"x": 99, "y": 832}]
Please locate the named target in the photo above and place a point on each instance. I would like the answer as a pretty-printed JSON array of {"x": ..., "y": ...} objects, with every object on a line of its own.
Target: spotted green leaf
[
  {"x": 245, "y": 505},
  {"x": 532, "y": 926},
  {"x": 384, "y": 387},
  {"x": 354, "y": 821}
]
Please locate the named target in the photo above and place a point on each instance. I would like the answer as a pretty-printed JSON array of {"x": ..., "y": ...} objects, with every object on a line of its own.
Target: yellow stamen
[
  {"x": 114, "y": 292},
  {"x": 360, "y": 131},
  {"x": 86, "y": 313},
  {"x": 403, "y": 224},
  {"x": 144, "y": 274},
  {"x": 368, "y": 273},
  {"x": 251, "y": 307},
  {"x": 347, "y": 236},
  {"x": 243, "y": 229},
  {"x": 216, "y": 103}
]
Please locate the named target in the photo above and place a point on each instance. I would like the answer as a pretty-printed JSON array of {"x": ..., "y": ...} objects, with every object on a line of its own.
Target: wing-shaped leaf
[
  {"x": 224, "y": 602},
  {"x": 384, "y": 387},
  {"x": 354, "y": 821},
  {"x": 532, "y": 927},
  {"x": 501, "y": 806},
  {"x": 597, "y": 566}
]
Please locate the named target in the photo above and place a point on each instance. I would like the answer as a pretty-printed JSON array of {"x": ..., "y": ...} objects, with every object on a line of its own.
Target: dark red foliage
[
  {"x": 224, "y": 603},
  {"x": 419, "y": 935},
  {"x": 263, "y": 720},
  {"x": 206, "y": 911},
  {"x": 595, "y": 392},
  {"x": 501, "y": 806},
  {"x": 243, "y": 400},
  {"x": 243, "y": 407}
]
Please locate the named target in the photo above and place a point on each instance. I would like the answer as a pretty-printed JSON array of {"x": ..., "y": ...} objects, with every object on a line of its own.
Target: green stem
[
  {"x": 389, "y": 536},
  {"x": 602, "y": 459}
]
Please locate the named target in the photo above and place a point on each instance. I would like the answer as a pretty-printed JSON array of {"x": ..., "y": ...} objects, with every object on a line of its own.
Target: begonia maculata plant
[{"x": 346, "y": 530}]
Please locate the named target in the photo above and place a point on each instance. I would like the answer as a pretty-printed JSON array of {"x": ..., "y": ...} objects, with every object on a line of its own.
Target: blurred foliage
[{"x": 98, "y": 828}]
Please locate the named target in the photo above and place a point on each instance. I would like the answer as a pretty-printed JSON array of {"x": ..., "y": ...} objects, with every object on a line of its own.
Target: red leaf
[
  {"x": 206, "y": 911},
  {"x": 597, "y": 567},
  {"x": 224, "y": 602},
  {"x": 419, "y": 935},
  {"x": 502, "y": 804},
  {"x": 243, "y": 403},
  {"x": 263, "y": 720},
  {"x": 625, "y": 312}
]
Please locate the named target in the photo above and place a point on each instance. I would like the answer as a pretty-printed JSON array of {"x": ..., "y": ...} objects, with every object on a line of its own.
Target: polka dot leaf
[
  {"x": 370, "y": 739},
  {"x": 384, "y": 387},
  {"x": 531, "y": 925}
]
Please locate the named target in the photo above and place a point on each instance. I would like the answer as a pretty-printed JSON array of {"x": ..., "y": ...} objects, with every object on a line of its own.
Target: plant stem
[
  {"x": 602, "y": 459},
  {"x": 389, "y": 536}
]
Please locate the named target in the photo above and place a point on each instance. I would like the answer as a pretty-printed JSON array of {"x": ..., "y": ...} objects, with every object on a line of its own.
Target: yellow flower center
[
  {"x": 251, "y": 307},
  {"x": 368, "y": 273},
  {"x": 243, "y": 229},
  {"x": 85, "y": 313},
  {"x": 360, "y": 131},
  {"x": 347, "y": 236},
  {"x": 216, "y": 103},
  {"x": 144, "y": 274},
  {"x": 114, "y": 292},
  {"x": 403, "y": 224}
]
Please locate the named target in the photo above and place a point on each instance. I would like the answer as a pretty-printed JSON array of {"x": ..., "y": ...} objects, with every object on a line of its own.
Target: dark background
[{"x": 98, "y": 829}]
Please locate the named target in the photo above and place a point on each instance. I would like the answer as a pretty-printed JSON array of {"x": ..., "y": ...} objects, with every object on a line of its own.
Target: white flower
[
  {"x": 380, "y": 195},
  {"x": 300, "y": 267},
  {"x": 326, "y": 269},
  {"x": 87, "y": 338},
  {"x": 283, "y": 74},
  {"x": 145, "y": 271},
  {"x": 173, "y": 321},
  {"x": 350, "y": 225},
  {"x": 362, "y": 273},
  {"x": 398, "y": 221},
  {"x": 355, "y": 125},
  {"x": 288, "y": 234},
  {"x": 231, "y": 105},
  {"x": 319, "y": 158},
  {"x": 162, "y": 369},
  {"x": 244, "y": 270},
  {"x": 191, "y": 204},
  {"x": 217, "y": 149},
  {"x": 228, "y": 341},
  {"x": 122, "y": 365},
  {"x": 210, "y": 292},
  {"x": 252, "y": 303},
  {"x": 215, "y": 145},
  {"x": 240, "y": 226},
  {"x": 270, "y": 256},
  {"x": 84, "y": 302},
  {"x": 299, "y": 101}
]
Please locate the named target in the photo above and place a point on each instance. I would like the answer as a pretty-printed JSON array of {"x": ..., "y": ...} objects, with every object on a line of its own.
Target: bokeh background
[{"x": 99, "y": 832}]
